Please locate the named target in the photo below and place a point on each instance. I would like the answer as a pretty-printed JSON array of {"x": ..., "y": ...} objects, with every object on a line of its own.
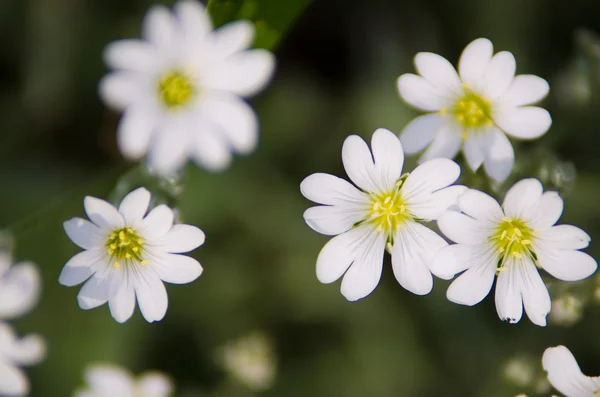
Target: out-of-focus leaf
[{"x": 272, "y": 18}]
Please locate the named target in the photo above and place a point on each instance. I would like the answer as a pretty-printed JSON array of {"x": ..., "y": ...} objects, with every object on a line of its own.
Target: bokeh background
[{"x": 338, "y": 61}]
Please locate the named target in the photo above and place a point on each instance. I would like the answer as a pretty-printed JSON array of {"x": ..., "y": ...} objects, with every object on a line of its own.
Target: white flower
[
  {"x": 474, "y": 108},
  {"x": 14, "y": 353},
  {"x": 512, "y": 241},
  {"x": 19, "y": 287},
  {"x": 565, "y": 376},
  {"x": 385, "y": 213},
  {"x": 127, "y": 255},
  {"x": 180, "y": 89},
  {"x": 112, "y": 381}
]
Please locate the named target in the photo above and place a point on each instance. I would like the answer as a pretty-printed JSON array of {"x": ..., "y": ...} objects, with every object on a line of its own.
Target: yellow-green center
[
  {"x": 513, "y": 239},
  {"x": 176, "y": 89},
  {"x": 125, "y": 245},
  {"x": 472, "y": 110},
  {"x": 388, "y": 211}
]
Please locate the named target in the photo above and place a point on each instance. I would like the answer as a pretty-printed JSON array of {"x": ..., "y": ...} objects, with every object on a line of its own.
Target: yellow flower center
[
  {"x": 513, "y": 238},
  {"x": 388, "y": 211},
  {"x": 472, "y": 110},
  {"x": 125, "y": 245},
  {"x": 176, "y": 89}
]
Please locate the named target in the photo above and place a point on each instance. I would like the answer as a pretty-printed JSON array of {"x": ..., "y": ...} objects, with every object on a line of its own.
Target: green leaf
[{"x": 272, "y": 18}]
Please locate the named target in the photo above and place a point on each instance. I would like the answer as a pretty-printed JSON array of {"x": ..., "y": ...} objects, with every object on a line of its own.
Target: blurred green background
[{"x": 337, "y": 65}]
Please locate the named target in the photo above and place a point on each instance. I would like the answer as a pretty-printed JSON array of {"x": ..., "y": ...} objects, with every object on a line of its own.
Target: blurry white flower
[
  {"x": 112, "y": 381},
  {"x": 127, "y": 255},
  {"x": 251, "y": 361},
  {"x": 511, "y": 241},
  {"x": 14, "y": 353},
  {"x": 385, "y": 213},
  {"x": 19, "y": 287},
  {"x": 567, "y": 310},
  {"x": 180, "y": 88},
  {"x": 519, "y": 371},
  {"x": 565, "y": 376},
  {"x": 473, "y": 109}
]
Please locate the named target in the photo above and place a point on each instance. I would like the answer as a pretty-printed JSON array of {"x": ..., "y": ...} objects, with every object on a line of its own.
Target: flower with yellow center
[
  {"x": 565, "y": 375},
  {"x": 384, "y": 211},
  {"x": 128, "y": 255},
  {"x": 182, "y": 87},
  {"x": 473, "y": 109},
  {"x": 106, "y": 380},
  {"x": 511, "y": 241}
]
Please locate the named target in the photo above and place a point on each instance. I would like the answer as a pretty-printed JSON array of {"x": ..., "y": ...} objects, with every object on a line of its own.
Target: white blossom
[
  {"x": 112, "y": 381},
  {"x": 128, "y": 254},
  {"x": 16, "y": 352},
  {"x": 473, "y": 109},
  {"x": 565, "y": 375}
]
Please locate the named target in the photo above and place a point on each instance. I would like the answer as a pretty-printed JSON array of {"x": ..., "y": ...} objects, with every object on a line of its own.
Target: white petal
[
  {"x": 96, "y": 291},
  {"x": 564, "y": 237},
  {"x": 168, "y": 151},
  {"x": 244, "y": 74},
  {"x": 474, "y": 60},
  {"x": 499, "y": 156},
  {"x": 193, "y": 18},
  {"x": 446, "y": 144},
  {"x": 438, "y": 72},
  {"x": 536, "y": 298},
  {"x": 29, "y": 350},
  {"x": 333, "y": 220},
  {"x": 183, "y": 238},
  {"x": 565, "y": 375},
  {"x": 233, "y": 37},
  {"x": 547, "y": 211},
  {"x": 81, "y": 266},
  {"x": 525, "y": 90},
  {"x": 154, "y": 385},
  {"x": 82, "y": 232},
  {"x": 451, "y": 260},
  {"x": 427, "y": 178},
  {"x": 522, "y": 197},
  {"x": 120, "y": 89},
  {"x": 389, "y": 158},
  {"x": 499, "y": 74},
  {"x": 331, "y": 190},
  {"x": 135, "y": 131},
  {"x": 109, "y": 380},
  {"x": 133, "y": 207},
  {"x": 234, "y": 119},
  {"x": 158, "y": 222},
  {"x": 566, "y": 265},
  {"x": 358, "y": 163},
  {"x": 463, "y": 229},
  {"x": 474, "y": 150},
  {"x": 122, "y": 304},
  {"x": 103, "y": 214},
  {"x": 151, "y": 296},
  {"x": 211, "y": 151},
  {"x": 420, "y": 132},
  {"x": 12, "y": 380},
  {"x": 414, "y": 250},
  {"x": 159, "y": 27},
  {"x": 364, "y": 273},
  {"x": 19, "y": 290},
  {"x": 339, "y": 253},
  {"x": 528, "y": 122},
  {"x": 438, "y": 202},
  {"x": 480, "y": 206},
  {"x": 130, "y": 54},
  {"x": 475, "y": 284},
  {"x": 178, "y": 269},
  {"x": 418, "y": 92},
  {"x": 509, "y": 303}
]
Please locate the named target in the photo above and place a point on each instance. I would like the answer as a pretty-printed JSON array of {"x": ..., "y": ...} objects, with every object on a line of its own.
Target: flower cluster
[{"x": 181, "y": 90}]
